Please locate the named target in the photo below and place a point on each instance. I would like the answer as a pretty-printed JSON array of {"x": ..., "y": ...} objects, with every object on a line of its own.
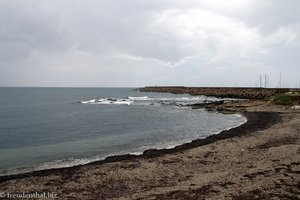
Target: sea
[{"x": 42, "y": 128}]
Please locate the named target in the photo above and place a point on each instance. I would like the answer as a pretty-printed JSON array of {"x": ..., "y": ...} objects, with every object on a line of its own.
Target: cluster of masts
[{"x": 264, "y": 82}]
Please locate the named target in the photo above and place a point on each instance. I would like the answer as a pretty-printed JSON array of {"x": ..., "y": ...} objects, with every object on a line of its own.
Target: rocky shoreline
[{"x": 193, "y": 170}]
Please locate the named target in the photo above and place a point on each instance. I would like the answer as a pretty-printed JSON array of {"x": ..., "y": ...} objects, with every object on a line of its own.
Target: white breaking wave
[
  {"x": 145, "y": 100},
  {"x": 139, "y": 98},
  {"x": 107, "y": 101},
  {"x": 89, "y": 101},
  {"x": 125, "y": 101}
]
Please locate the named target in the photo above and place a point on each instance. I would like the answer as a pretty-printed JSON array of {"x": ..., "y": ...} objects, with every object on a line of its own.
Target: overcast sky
[{"x": 149, "y": 42}]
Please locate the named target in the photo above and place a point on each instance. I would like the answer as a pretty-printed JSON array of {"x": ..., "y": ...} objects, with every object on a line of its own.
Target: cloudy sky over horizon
[{"x": 146, "y": 42}]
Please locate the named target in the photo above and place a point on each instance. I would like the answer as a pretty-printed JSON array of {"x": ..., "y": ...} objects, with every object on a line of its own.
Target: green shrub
[{"x": 283, "y": 99}]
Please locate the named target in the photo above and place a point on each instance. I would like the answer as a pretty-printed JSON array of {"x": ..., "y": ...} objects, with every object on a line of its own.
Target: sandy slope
[{"x": 261, "y": 162}]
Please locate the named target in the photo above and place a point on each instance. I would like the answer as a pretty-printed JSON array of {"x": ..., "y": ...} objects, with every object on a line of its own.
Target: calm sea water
[{"x": 56, "y": 127}]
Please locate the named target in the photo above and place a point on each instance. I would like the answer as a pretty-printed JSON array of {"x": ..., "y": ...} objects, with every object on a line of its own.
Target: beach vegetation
[{"x": 285, "y": 99}]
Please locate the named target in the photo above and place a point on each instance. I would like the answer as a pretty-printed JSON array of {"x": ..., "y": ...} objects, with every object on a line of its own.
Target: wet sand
[{"x": 257, "y": 160}]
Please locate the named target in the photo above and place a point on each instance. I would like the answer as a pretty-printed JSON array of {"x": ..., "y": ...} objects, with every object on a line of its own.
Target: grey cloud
[
  {"x": 47, "y": 41},
  {"x": 24, "y": 29},
  {"x": 269, "y": 15}
]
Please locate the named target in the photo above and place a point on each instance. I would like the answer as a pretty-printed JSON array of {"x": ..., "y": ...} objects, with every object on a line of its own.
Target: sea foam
[{"x": 108, "y": 101}]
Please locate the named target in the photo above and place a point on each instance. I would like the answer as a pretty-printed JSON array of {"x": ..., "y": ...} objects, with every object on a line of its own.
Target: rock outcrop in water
[{"x": 223, "y": 92}]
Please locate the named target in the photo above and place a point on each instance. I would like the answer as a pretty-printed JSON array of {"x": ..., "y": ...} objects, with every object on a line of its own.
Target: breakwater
[{"x": 223, "y": 92}]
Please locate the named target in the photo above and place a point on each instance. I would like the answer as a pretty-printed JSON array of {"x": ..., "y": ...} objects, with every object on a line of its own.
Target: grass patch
[{"x": 284, "y": 99}]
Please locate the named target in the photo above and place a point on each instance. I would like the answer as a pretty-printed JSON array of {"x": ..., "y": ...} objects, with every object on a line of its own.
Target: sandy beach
[{"x": 257, "y": 160}]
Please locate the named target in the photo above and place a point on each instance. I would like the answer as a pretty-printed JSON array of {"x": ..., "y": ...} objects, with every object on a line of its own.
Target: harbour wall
[{"x": 223, "y": 92}]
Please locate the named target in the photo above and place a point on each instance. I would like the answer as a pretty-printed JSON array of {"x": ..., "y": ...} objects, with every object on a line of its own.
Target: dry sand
[{"x": 258, "y": 160}]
